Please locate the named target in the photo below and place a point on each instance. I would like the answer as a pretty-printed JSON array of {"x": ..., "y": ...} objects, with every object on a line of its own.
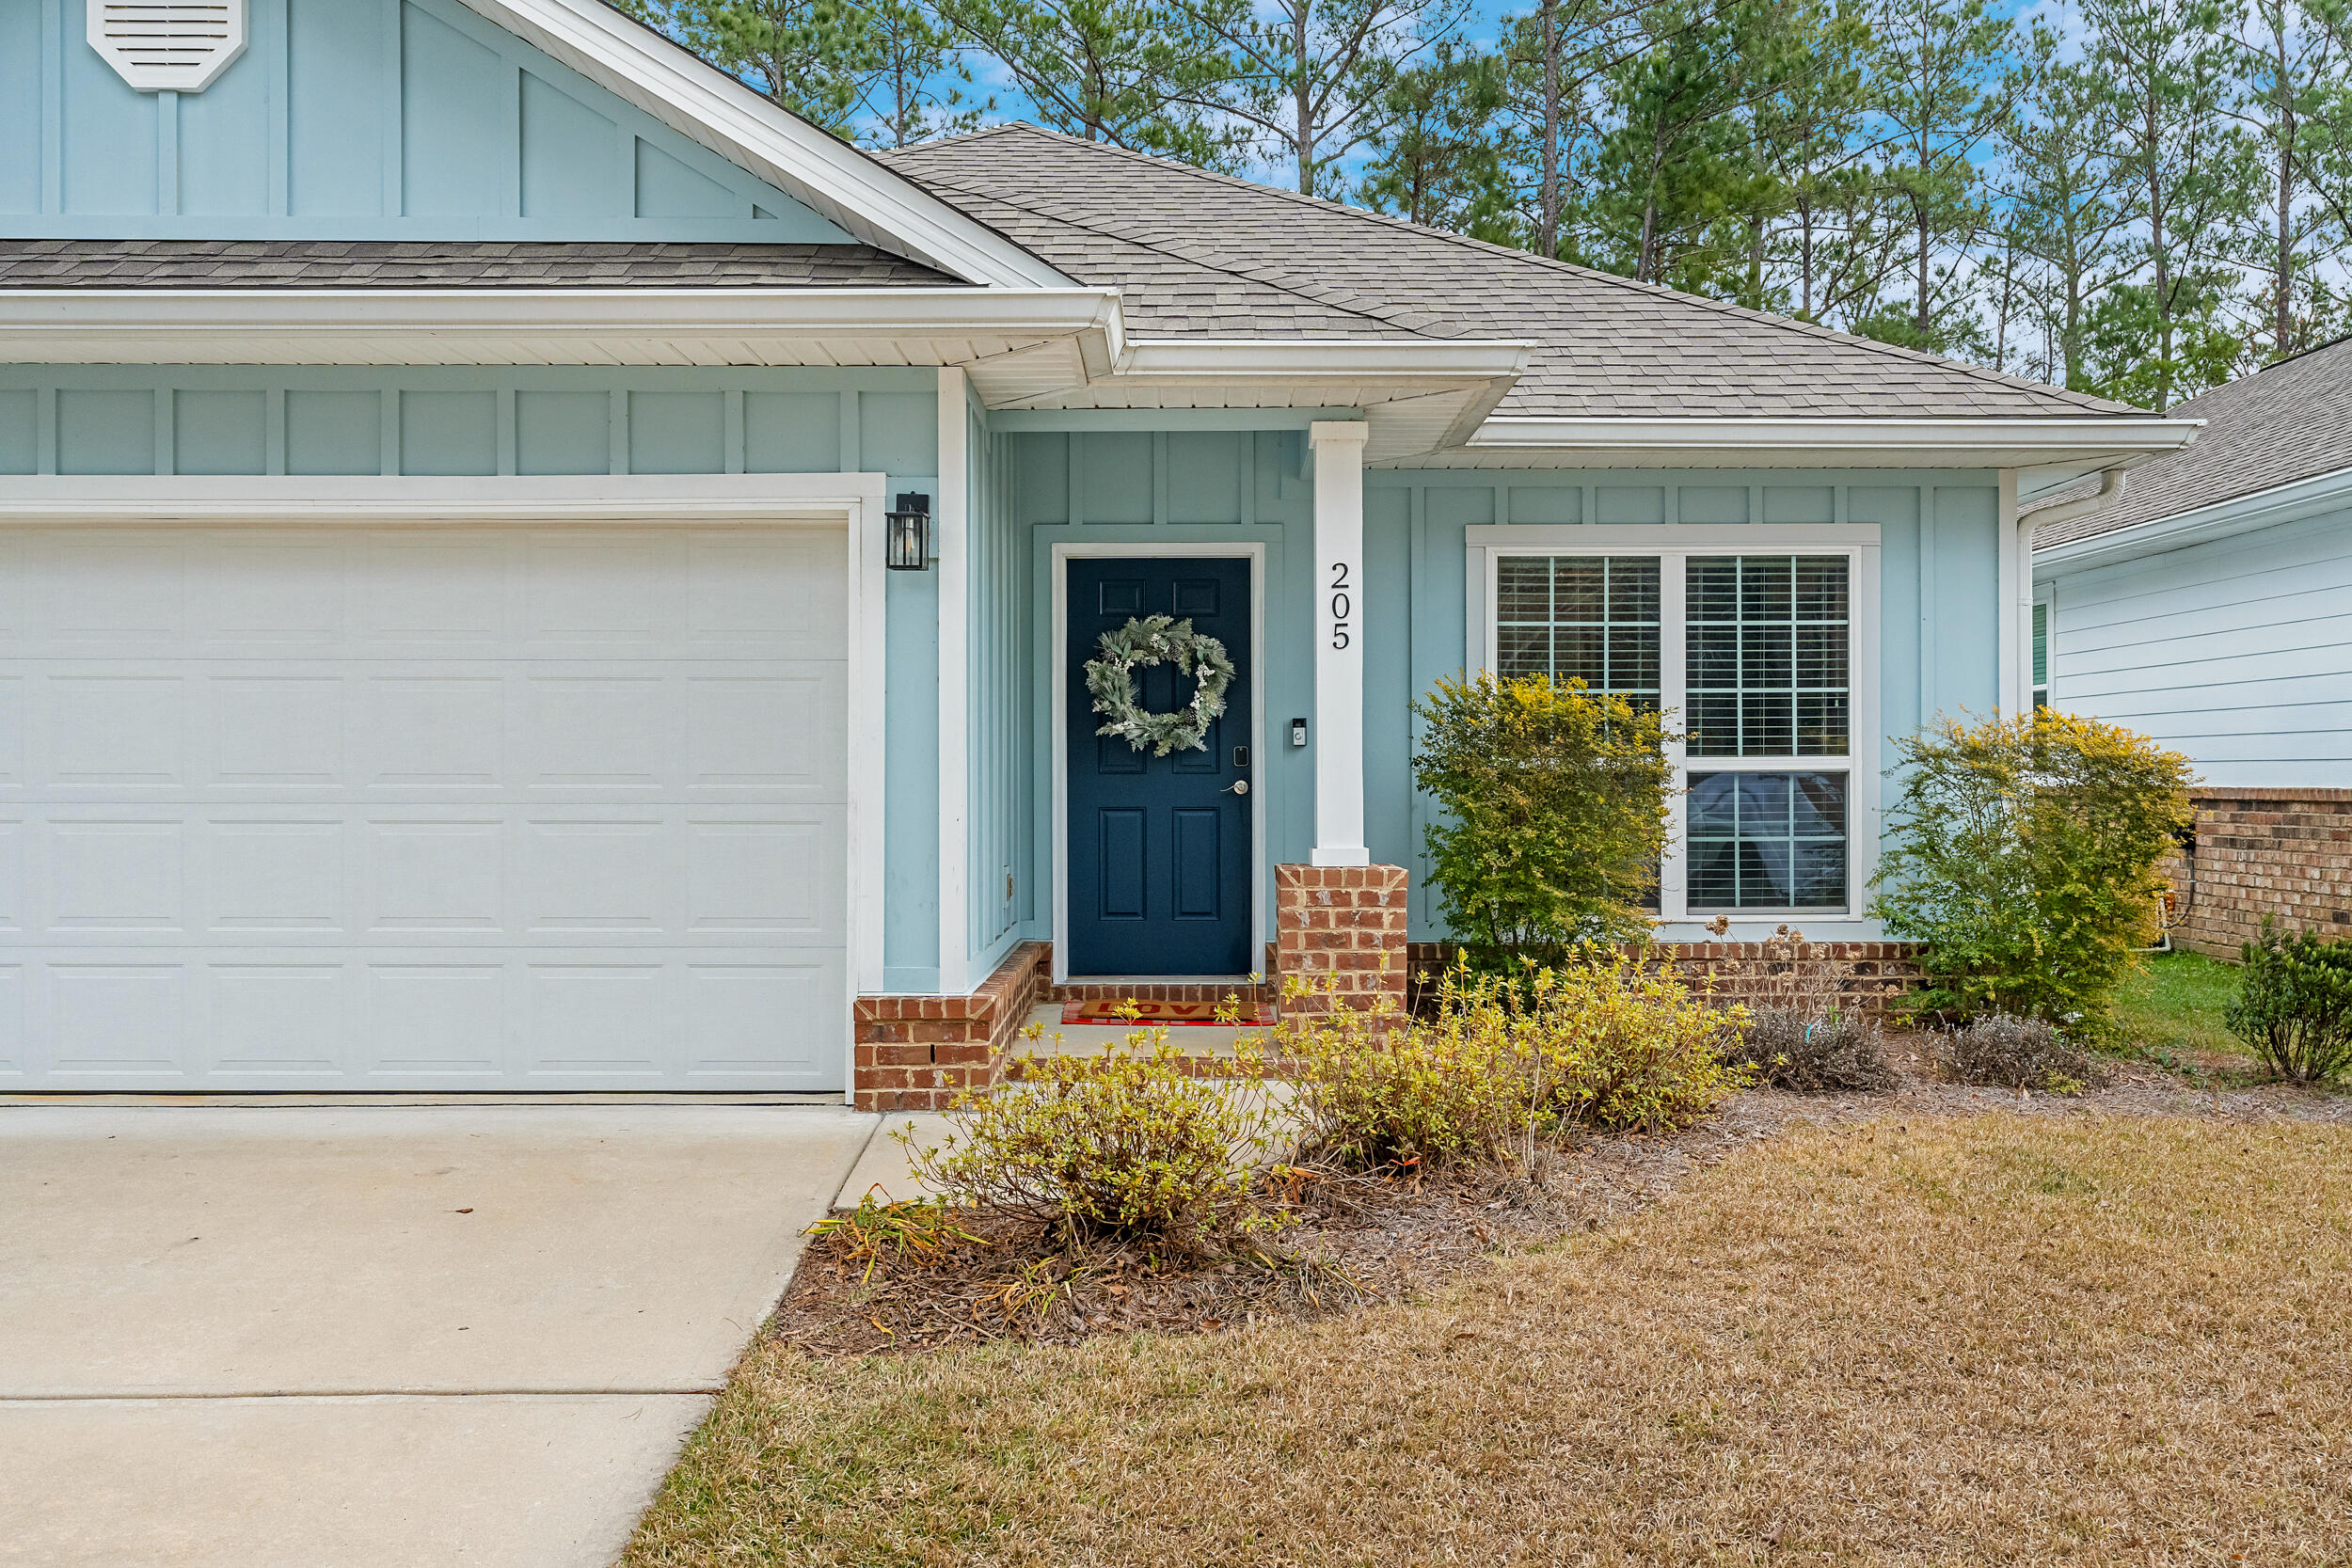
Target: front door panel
[{"x": 1158, "y": 850}]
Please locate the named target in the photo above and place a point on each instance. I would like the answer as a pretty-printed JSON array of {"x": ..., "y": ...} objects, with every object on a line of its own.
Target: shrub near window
[
  {"x": 1554, "y": 814},
  {"x": 2295, "y": 1007},
  {"x": 2023, "y": 852}
]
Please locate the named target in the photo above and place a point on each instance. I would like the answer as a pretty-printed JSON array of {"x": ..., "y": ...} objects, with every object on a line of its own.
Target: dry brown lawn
[{"x": 1996, "y": 1338}]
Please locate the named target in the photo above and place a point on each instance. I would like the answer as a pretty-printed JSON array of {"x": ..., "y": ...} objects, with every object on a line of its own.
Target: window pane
[
  {"x": 1588, "y": 618},
  {"x": 1766, "y": 655},
  {"x": 1771, "y": 842}
]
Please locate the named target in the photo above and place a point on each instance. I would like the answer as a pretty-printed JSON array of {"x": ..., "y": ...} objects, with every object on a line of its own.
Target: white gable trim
[{"x": 698, "y": 100}]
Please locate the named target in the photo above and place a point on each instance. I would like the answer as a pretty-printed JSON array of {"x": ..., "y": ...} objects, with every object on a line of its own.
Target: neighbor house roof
[
  {"x": 2286, "y": 421},
  {"x": 441, "y": 265},
  {"x": 1197, "y": 254}
]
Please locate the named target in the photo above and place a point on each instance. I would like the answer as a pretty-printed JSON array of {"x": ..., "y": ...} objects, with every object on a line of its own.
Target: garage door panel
[
  {"x": 511, "y": 808},
  {"x": 110, "y": 588},
  {"x": 110, "y": 876},
  {"x": 274, "y": 731},
  {"x": 265, "y": 1021},
  {"x": 778, "y": 876},
  {"x": 11, "y": 731},
  {"x": 440, "y": 730},
  {"x": 781, "y": 733},
  {"x": 114, "y": 731},
  {"x": 123, "y": 1020},
  {"x": 282, "y": 876},
  {"x": 431, "y": 590},
  {"x": 255, "y": 590},
  {"x": 600, "y": 874}
]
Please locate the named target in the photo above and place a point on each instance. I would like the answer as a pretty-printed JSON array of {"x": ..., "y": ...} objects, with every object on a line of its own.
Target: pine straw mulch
[{"x": 1348, "y": 1242}]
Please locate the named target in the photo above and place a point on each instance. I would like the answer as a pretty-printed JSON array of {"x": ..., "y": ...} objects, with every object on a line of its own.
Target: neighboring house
[
  {"x": 2205, "y": 600},
  {"x": 450, "y": 642}
]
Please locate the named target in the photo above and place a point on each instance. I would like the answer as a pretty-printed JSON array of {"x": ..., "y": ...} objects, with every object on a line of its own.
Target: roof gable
[
  {"x": 547, "y": 120},
  {"x": 1607, "y": 347}
]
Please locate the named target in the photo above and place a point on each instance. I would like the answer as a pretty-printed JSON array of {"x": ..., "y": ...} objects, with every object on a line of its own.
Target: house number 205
[{"x": 1343, "y": 606}]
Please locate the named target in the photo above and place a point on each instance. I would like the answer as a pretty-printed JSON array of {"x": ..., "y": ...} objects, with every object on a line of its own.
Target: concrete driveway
[{"x": 340, "y": 1337}]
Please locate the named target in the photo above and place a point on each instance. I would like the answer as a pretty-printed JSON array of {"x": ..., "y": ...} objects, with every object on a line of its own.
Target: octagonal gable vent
[{"x": 175, "y": 45}]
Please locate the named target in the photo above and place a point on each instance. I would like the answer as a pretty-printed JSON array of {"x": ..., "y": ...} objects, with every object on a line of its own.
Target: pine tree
[
  {"x": 2162, "y": 75},
  {"x": 914, "y": 87},
  {"x": 2294, "y": 75},
  {"x": 2060, "y": 191},
  {"x": 1936, "y": 64},
  {"x": 1441, "y": 161},
  {"x": 1311, "y": 78},
  {"x": 1110, "y": 70},
  {"x": 808, "y": 57},
  {"x": 1555, "y": 55}
]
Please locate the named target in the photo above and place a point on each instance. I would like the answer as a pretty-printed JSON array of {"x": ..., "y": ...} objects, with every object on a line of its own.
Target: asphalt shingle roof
[
  {"x": 446, "y": 264},
  {"x": 2286, "y": 421},
  {"x": 1201, "y": 254}
]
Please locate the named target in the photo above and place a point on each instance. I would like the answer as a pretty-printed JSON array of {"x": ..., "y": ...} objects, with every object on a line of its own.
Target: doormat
[{"x": 1155, "y": 1013}]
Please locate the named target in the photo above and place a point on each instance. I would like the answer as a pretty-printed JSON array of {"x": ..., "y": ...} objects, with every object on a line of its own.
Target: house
[
  {"x": 2205, "y": 600},
  {"x": 458, "y": 454}
]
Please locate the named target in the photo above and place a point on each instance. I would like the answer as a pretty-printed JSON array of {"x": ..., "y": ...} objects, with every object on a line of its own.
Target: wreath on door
[{"x": 1159, "y": 640}]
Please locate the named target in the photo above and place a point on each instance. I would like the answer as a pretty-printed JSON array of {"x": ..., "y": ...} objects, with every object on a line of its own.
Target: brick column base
[
  {"x": 1340, "y": 931},
  {"x": 919, "y": 1052}
]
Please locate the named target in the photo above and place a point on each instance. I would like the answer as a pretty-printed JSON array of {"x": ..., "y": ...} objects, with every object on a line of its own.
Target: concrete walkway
[{"x": 337, "y": 1337}]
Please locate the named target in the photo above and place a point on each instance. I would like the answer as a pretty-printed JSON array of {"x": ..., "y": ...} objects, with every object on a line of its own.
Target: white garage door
[{"x": 430, "y": 808}]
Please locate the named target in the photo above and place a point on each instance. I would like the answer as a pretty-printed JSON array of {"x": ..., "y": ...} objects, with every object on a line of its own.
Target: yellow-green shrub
[
  {"x": 1611, "y": 1043},
  {"x": 1124, "y": 1144}
]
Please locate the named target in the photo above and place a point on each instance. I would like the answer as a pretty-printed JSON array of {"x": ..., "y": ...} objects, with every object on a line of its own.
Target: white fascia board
[
  {"x": 147, "y": 327},
  {"x": 698, "y": 100},
  {"x": 2282, "y": 503},
  {"x": 1310, "y": 360},
  {"x": 1913, "y": 443}
]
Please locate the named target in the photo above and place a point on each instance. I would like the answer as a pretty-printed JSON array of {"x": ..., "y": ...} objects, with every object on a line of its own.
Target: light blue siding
[
  {"x": 1939, "y": 624},
  {"x": 2237, "y": 652},
  {"x": 355, "y": 118}
]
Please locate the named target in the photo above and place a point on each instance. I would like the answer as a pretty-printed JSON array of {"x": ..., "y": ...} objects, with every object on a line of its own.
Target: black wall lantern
[{"x": 910, "y": 533}]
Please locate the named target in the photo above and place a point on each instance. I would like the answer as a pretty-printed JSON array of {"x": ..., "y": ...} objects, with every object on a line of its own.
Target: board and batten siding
[
  {"x": 355, "y": 120},
  {"x": 239, "y": 419},
  {"x": 2237, "y": 652},
  {"x": 1939, "y": 598}
]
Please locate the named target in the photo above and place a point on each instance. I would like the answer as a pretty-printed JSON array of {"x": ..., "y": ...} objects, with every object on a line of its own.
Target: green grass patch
[{"x": 2175, "y": 1004}]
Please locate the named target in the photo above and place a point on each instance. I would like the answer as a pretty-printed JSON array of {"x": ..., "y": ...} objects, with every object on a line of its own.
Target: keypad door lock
[{"x": 1241, "y": 756}]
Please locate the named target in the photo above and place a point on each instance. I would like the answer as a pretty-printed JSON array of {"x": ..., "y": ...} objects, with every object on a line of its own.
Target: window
[
  {"x": 1755, "y": 654},
  {"x": 1584, "y": 616},
  {"x": 2041, "y": 655}
]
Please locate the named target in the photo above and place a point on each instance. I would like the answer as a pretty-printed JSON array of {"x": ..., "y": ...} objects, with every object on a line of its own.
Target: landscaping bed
[
  {"x": 1909, "y": 1337},
  {"x": 1351, "y": 1242}
]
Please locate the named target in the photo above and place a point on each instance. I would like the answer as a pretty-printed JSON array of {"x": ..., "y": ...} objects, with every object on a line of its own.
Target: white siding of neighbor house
[{"x": 2237, "y": 652}]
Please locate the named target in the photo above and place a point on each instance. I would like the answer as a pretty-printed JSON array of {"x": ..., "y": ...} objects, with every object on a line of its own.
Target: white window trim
[
  {"x": 2046, "y": 600},
  {"x": 1859, "y": 543},
  {"x": 1062, "y": 555},
  {"x": 853, "y": 502}
]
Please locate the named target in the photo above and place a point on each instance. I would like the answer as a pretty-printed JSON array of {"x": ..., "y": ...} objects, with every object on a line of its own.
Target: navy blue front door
[{"x": 1158, "y": 852}]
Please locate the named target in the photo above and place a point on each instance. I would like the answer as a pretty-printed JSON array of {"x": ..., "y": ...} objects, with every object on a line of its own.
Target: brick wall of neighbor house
[
  {"x": 2283, "y": 852},
  {"x": 1869, "y": 976},
  {"x": 918, "y": 1052},
  {"x": 1339, "y": 930}
]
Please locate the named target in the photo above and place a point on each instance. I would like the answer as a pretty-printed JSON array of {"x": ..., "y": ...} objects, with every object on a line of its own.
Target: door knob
[{"x": 1239, "y": 787}]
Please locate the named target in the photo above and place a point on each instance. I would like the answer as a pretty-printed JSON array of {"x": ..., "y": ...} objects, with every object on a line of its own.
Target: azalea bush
[
  {"x": 1552, "y": 802},
  {"x": 2024, "y": 853},
  {"x": 2001, "y": 1051}
]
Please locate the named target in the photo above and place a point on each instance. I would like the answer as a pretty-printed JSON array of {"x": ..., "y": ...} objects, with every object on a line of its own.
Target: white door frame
[
  {"x": 855, "y": 501},
  {"x": 1063, "y": 553}
]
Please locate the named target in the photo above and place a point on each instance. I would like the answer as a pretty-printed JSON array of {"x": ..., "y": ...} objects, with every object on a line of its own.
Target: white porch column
[{"x": 1339, "y": 742}]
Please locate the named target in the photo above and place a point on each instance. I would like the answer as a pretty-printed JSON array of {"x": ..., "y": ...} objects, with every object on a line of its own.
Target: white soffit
[
  {"x": 1079, "y": 328},
  {"x": 697, "y": 99},
  {"x": 168, "y": 45}
]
